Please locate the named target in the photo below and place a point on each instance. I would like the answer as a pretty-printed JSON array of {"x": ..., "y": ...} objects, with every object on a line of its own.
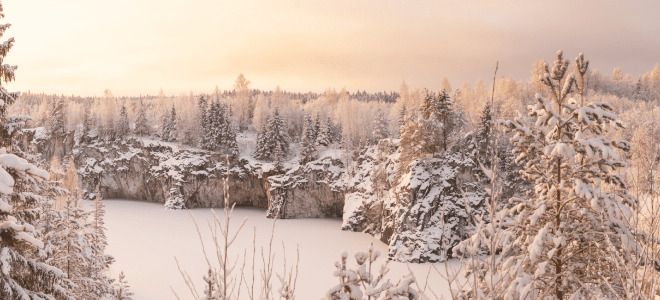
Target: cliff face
[
  {"x": 421, "y": 211},
  {"x": 192, "y": 178},
  {"x": 157, "y": 172},
  {"x": 310, "y": 191}
]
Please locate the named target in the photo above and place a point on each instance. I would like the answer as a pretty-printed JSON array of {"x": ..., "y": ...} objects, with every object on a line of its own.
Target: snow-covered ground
[{"x": 145, "y": 238}]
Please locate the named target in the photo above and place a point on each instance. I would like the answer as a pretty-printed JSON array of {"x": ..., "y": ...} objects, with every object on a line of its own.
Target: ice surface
[{"x": 145, "y": 238}]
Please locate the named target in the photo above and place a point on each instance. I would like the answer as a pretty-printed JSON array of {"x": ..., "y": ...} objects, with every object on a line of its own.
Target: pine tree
[
  {"x": 273, "y": 141},
  {"x": 141, "y": 121},
  {"x": 23, "y": 275},
  {"x": 381, "y": 125},
  {"x": 308, "y": 144},
  {"x": 438, "y": 109},
  {"x": 413, "y": 142},
  {"x": 169, "y": 129},
  {"x": 87, "y": 123},
  {"x": 210, "y": 286},
  {"x": 100, "y": 261},
  {"x": 220, "y": 135},
  {"x": 479, "y": 143},
  {"x": 571, "y": 239},
  {"x": 324, "y": 136},
  {"x": 56, "y": 117},
  {"x": 175, "y": 199},
  {"x": 317, "y": 126},
  {"x": 202, "y": 120},
  {"x": 123, "y": 126},
  {"x": 121, "y": 290},
  {"x": 261, "y": 146}
]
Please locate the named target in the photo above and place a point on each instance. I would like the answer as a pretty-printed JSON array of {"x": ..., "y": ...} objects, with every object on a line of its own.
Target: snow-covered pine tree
[
  {"x": 202, "y": 120},
  {"x": 169, "y": 129},
  {"x": 571, "y": 239},
  {"x": 482, "y": 136},
  {"x": 73, "y": 245},
  {"x": 335, "y": 130},
  {"x": 363, "y": 282},
  {"x": 438, "y": 110},
  {"x": 317, "y": 126},
  {"x": 141, "y": 121},
  {"x": 381, "y": 126},
  {"x": 278, "y": 136},
  {"x": 56, "y": 117},
  {"x": 274, "y": 141},
  {"x": 261, "y": 149},
  {"x": 231, "y": 145},
  {"x": 23, "y": 275},
  {"x": 175, "y": 199},
  {"x": 324, "y": 136},
  {"x": 121, "y": 289},
  {"x": 413, "y": 142},
  {"x": 210, "y": 285},
  {"x": 308, "y": 143},
  {"x": 210, "y": 141},
  {"x": 123, "y": 125},
  {"x": 99, "y": 260},
  {"x": 87, "y": 123},
  {"x": 227, "y": 136},
  {"x": 220, "y": 134}
]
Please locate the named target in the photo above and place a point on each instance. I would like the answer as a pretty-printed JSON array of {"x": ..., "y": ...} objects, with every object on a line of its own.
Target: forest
[{"x": 542, "y": 188}]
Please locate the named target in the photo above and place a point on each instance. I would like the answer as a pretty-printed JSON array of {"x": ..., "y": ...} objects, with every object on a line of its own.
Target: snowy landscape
[{"x": 539, "y": 181}]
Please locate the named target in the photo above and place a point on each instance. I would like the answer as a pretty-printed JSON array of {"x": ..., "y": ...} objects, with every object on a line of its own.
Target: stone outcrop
[
  {"x": 421, "y": 211},
  {"x": 163, "y": 172},
  {"x": 310, "y": 191}
]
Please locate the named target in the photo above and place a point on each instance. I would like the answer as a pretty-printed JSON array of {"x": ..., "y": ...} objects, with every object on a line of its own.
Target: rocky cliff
[
  {"x": 182, "y": 177},
  {"x": 420, "y": 211}
]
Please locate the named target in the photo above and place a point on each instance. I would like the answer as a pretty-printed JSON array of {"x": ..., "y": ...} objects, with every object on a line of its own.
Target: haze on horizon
[{"x": 137, "y": 46}]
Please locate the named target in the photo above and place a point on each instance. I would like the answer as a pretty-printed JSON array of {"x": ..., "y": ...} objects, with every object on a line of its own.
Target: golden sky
[{"x": 140, "y": 46}]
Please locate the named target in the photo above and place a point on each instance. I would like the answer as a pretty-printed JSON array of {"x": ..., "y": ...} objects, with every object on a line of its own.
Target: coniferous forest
[{"x": 543, "y": 186}]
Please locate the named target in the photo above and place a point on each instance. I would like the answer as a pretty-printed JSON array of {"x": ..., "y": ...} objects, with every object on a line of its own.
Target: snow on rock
[
  {"x": 158, "y": 172},
  {"x": 308, "y": 191},
  {"x": 423, "y": 213}
]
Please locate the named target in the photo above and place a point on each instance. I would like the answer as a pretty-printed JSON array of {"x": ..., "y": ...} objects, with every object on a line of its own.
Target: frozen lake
[{"x": 145, "y": 238}]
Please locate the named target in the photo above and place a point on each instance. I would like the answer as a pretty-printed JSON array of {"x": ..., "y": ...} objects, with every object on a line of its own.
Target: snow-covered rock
[
  {"x": 158, "y": 172},
  {"x": 308, "y": 191},
  {"x": 420, "y": 213}
]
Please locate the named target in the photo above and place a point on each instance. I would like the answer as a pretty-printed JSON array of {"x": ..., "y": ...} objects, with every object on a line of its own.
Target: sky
[{"x": 137, "y": 47}]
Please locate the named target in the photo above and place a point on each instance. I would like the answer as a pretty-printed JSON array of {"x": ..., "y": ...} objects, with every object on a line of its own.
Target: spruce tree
[
  {"x": 413, "y": 142},
  {"x": 141, "y": 121},
  {"x": 381, "y": 125},
  {"x": 210, "y": 286},
  {"x": 571, "y": 239},
  {"x": 87, "y": 123},
  {"x": 324, "y": 136},
  {"x": 169, "y": 129},
  {"x": 317, "y": 126},
  {"x": 123, "y": 126},
  {"x": 261, "y": 145},
  {"x": 273, "y": 141},
  {"x": 121, "y": 290},
  {"x": 56, "y": 117},
  {"x": 308, "y": 144},
  {"x": 23, "y": 275},
  {"x": 438, "y": 110},
  {"x": 202, "y": 120}
]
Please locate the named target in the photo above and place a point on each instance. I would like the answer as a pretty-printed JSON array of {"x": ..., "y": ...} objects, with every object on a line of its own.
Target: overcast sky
[{"x": 140, "y": 46}]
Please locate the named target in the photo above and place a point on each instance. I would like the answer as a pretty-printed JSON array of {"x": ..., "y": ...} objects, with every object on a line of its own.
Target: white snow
[{"x": 145, "y": 238}]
